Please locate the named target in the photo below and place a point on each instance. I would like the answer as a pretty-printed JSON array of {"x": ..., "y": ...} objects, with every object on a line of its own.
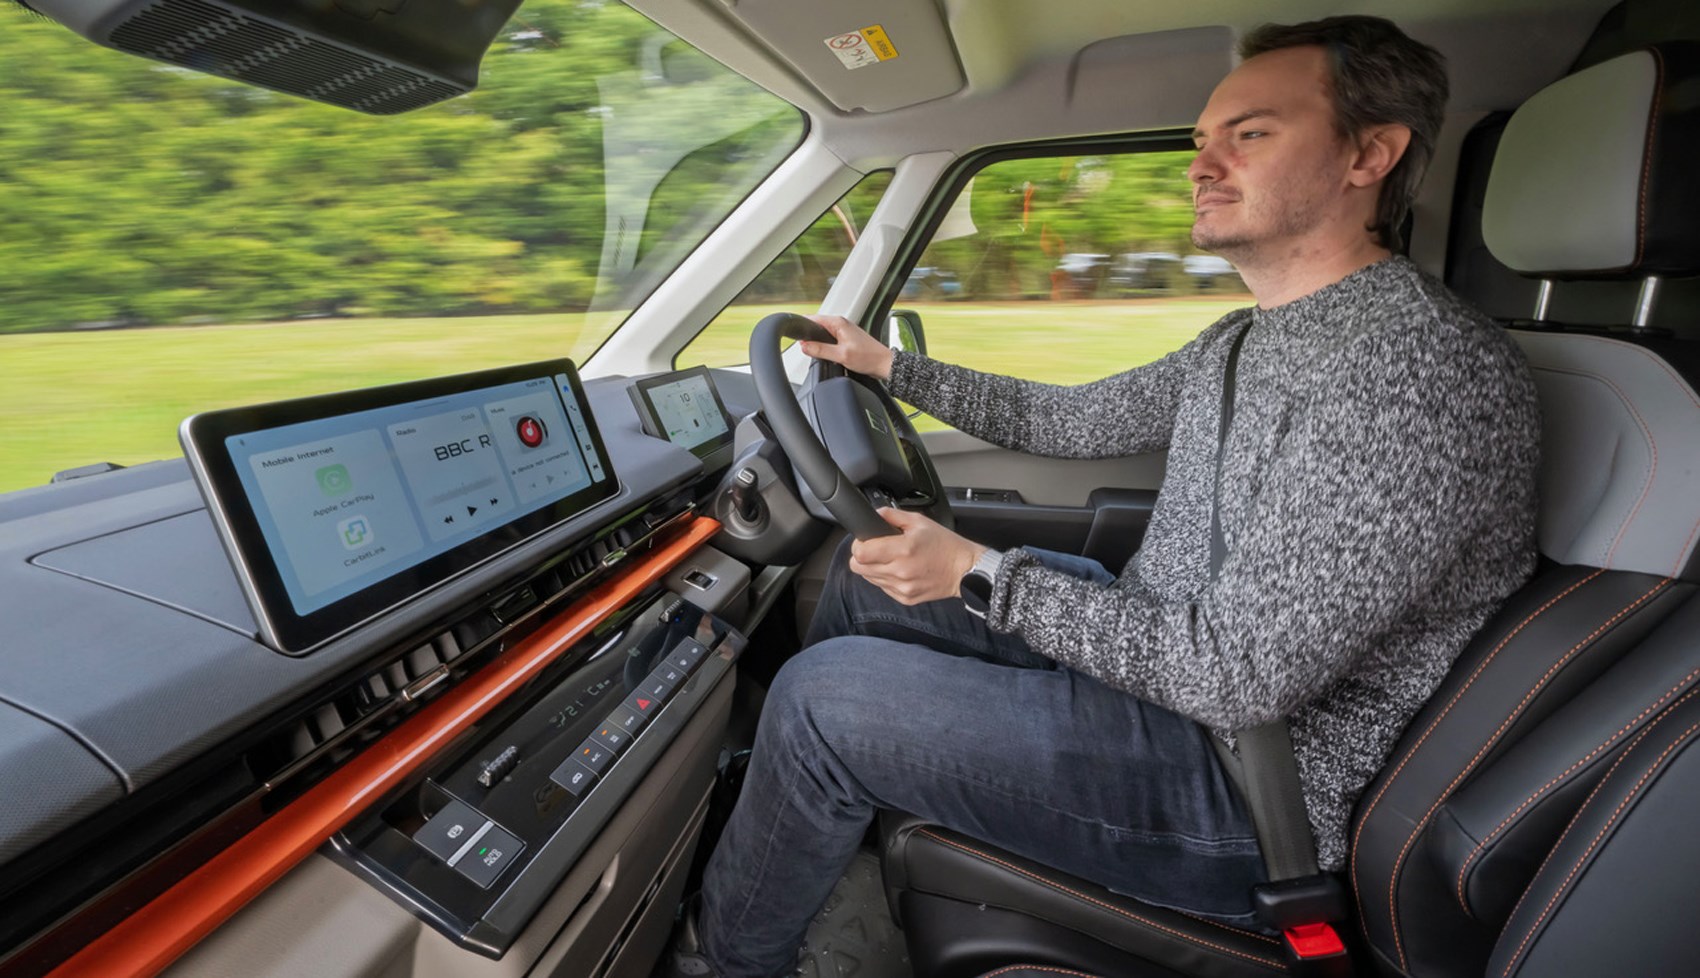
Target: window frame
[
  {"x": 673, "y": 362},
  {"x": 950, "y": 185}
]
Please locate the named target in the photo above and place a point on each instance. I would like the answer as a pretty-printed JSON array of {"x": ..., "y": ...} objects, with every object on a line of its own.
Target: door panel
[
  {"x": 1004, "y": 499},
  {"x": 966, "y": 461}
]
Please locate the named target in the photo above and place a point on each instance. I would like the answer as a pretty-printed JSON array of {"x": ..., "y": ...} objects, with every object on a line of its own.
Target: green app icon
[{"x": 334, "y": 480}]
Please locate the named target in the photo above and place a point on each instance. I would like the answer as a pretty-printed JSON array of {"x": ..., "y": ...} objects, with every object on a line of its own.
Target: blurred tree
[{"x": 133, "y": 192}]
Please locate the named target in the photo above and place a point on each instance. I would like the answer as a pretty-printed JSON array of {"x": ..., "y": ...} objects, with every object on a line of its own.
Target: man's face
[{"x": 1270, "y": 169}]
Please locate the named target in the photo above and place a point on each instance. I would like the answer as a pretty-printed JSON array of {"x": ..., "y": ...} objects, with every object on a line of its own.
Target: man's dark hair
[{"x": 1378, "y": 75}]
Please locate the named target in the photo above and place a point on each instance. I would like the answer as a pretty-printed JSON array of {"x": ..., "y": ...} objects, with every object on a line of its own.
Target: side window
[
  {"x": 795, "y": 282},
  {"x": 1068, "y": 269}
]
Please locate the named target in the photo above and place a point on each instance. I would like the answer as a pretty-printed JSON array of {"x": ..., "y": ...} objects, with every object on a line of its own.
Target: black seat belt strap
[{"x": 1268, "y": 772}]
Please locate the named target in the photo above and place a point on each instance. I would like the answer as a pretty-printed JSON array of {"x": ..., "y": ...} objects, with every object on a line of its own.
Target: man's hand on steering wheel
[
  {"x": 856, "y": 351},
  {"x": 868, "y": 428}
]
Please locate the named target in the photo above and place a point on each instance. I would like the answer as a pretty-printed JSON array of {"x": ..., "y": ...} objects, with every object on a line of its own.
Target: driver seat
[{"x": 1542, "y": 800}]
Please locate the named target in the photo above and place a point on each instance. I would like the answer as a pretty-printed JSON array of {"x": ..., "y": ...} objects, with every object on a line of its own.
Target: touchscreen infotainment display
[
  {"x": 684, "y": 408},
  {"x": 335, "y": 508}
]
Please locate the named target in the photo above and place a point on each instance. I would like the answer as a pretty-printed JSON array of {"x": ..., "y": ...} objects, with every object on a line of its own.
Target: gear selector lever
[{"x": 745, "y": 501}]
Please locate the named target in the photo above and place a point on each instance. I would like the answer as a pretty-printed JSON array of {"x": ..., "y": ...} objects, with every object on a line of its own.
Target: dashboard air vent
[{"x": 378, "y": 690}]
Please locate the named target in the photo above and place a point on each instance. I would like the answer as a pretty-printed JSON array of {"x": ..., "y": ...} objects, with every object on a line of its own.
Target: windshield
[{"x": 175, "y": 242}]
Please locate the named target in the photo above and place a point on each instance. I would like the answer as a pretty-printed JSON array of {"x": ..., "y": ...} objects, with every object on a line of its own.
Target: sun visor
[
  {"x": 874, "y": 55},
  {"x": 375, "y": 56}
]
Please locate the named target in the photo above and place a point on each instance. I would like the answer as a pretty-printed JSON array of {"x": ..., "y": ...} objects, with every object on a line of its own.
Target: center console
[{"x": 478, "y": 845}]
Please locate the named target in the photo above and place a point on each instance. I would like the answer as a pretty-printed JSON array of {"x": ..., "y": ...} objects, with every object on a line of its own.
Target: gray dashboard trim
[{"x": 141, "y": 682}]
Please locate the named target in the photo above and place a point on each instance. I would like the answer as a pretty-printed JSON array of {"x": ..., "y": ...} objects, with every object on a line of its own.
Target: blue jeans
[{"x": 926, "y": 710}]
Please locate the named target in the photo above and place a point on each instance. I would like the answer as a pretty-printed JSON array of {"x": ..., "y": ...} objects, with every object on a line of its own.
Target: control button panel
[
  {"x": 612, "y": 736},
  {"x": 573, "y": 776},
  {"x": 485, "y": 859},
  {"x": 654, "y": 689},
  {"x": 643, "y": 704},
  {"x": 471, "y": 844},
  {"x": 450, "y": 830},
  {"x": 671, "y": 675},
  {"x": 627, "y": 719},
  {"x": 474, "y": 845},
  {"x": 594, "y": 756}
]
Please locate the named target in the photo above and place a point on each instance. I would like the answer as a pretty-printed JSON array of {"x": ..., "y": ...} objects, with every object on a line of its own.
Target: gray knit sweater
[{"x": 1378, "y": 503}]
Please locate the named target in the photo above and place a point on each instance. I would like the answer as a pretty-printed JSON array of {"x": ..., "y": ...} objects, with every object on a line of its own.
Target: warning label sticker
[{"x": 858, "y": 49}]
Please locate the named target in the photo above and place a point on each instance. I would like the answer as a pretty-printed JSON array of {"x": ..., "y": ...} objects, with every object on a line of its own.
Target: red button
[
  {"x": 530, "y": 431},
  {"x": 1314, "y": 941}
]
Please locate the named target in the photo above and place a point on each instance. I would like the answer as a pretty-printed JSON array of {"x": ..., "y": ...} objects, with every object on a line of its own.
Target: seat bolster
[
  {"x": 1550, "y": 640},
  {"x": 927, "y": 859},
  {"x": 1620, "y": 449},
  {"x": 1493, "y": 833},
  {"x": 1624, "y": 866}
]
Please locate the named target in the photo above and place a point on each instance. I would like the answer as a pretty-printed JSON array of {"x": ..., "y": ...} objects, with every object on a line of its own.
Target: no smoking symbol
[{"x": 844, "y": 41}]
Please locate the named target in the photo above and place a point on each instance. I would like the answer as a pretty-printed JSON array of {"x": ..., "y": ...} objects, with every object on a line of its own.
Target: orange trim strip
[{"x": 154, "y": 936}]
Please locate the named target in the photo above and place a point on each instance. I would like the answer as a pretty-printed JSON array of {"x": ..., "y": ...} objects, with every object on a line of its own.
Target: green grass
[{"x": 69, "y": 399}]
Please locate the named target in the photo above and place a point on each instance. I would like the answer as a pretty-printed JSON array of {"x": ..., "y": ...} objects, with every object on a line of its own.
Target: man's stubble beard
[{"x": 1242, "y": 248}]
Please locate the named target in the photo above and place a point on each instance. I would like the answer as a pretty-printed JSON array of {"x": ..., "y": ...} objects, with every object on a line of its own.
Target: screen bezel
[
  {"x": 652, "y": 418},
  {"x": 281, "y": 626}
]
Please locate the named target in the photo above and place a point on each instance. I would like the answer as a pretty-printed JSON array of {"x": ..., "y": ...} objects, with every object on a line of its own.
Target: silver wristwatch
[{"x": 976, "y": 586}]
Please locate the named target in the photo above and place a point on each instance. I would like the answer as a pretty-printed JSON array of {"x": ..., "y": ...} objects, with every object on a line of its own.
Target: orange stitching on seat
[
  {"x": 1099, "y": 903},
  {"x": 1482, "y": 845},
  {"x": 1681, "y": 385},
  {"x": 1586, "y": 853},
  {"x": 1399, "y": 861},
  {"x": 1236, "y": 931},
  {"x": 1357, "y": 888},
  {"x": 1647, "y": 156},
  {"x": 1586, "y": 804},
  {"x": 1047, "y": 969}
]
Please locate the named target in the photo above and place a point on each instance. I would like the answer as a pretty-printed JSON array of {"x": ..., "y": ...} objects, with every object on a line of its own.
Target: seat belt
[
  {"x": 1298, "y": 899},
  {"x": 1269, "y": 775}
]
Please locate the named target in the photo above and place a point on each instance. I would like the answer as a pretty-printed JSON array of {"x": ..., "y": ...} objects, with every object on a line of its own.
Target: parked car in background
[
  {"x": 931, "y": 283},
  {"x": 1140, "y": 272},
  {"x": 1079, "y": 275},
  {"x": 1211, "y": 273}
]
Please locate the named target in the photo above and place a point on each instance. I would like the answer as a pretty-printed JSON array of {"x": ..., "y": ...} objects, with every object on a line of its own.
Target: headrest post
[
  {"x": 1645, "y": 301},
  {"x": 1543, "y": 300}
]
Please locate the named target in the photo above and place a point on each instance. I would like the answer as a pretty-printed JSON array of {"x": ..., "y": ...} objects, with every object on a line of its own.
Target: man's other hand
[
  {"x": 855, "y": 350},
  {"x": 924, "y": 562}
]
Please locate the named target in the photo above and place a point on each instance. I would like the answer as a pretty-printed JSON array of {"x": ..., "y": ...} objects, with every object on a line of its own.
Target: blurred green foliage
[{"x": 136, "y": 193}]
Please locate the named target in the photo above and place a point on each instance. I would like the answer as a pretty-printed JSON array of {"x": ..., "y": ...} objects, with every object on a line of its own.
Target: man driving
[{"x": 1322, "y": 559}]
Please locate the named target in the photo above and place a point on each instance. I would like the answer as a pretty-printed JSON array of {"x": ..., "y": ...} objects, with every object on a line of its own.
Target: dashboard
[{"x": 148, "y": 716}]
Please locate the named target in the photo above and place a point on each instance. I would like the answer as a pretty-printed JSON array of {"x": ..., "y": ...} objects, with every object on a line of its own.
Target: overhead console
[{"x": 334, "y": 509}]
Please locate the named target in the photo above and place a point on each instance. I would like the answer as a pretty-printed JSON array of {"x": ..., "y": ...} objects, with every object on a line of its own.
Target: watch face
[{"x": 976, "y": 590}]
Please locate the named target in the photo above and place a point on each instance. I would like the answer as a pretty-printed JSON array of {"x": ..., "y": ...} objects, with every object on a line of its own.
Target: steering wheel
[{"x": 866, "y": 427}]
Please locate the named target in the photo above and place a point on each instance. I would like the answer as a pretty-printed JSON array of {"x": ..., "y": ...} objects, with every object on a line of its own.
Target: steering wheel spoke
[{"x": 863, "y": 422}]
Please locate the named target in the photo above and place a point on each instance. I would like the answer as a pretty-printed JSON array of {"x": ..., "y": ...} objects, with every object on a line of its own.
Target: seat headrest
[{"x": 1592, "y": 178}]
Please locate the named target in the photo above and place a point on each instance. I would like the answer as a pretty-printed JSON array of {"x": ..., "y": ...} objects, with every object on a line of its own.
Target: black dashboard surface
[{"x": 130, "y": 651}]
